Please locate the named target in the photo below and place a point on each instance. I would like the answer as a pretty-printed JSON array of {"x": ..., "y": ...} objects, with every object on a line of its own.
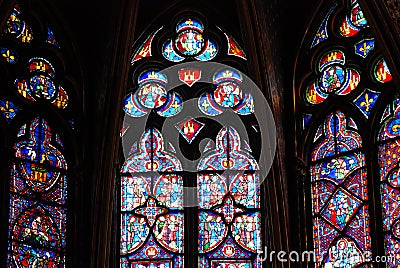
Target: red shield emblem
[{"x": 189, "y": 76}]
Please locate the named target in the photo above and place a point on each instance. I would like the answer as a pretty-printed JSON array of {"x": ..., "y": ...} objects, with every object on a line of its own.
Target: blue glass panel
[
  {"x": 364, "y": 47},
  {"x": 366, "y": 101}
]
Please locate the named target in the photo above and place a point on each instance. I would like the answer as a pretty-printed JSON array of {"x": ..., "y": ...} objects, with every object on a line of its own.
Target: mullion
[{"x": 191, "y": 232}]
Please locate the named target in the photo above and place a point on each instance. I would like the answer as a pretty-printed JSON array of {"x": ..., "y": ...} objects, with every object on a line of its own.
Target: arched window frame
[
  {"x": 41, "y": 16},
  {"x": 260, "y": 42},
  {"x": 258, "y": 35},
  {"x": 380, "y": 26},
  {"x": 157, "y": 61}
]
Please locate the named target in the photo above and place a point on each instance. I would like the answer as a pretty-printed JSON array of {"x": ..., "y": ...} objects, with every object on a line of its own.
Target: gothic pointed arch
[
  {"x": 229, "y": 230},
  {"x": 144, "y": 64},
  {"x": 344, "y": 87},
  {"x": 40, "y": 104}
]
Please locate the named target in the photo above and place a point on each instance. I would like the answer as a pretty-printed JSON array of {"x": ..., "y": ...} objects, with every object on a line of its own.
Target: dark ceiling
[{"x": 92, "y": 25}]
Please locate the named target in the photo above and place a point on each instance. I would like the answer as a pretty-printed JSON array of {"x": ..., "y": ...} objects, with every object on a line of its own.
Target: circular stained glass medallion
[
  {"x": 228, "y": 94},
  {"x": 42, "y": 86},
  {"x": 333, "y": 78},
  {"x": 189, "y": 43},
  {"x": 152, "y": 95}
]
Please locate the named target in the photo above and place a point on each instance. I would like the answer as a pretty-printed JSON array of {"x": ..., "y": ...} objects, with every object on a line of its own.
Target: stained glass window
[
  {"x": 339, "y": 195},
  {"x": 159, "y": 227},
  {"x": 388, "y": 155},
  {"x": 189, "y": 42},
  {"x": 37, "y": 233},
  {"x": 229, "y": 204},
  {"x": 337, "y": 102},
  {"x": 35, "y": 95},
  {"x": 152, "y": 219}
]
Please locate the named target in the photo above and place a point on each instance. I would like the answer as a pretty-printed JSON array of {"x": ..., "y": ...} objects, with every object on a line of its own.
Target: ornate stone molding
[
  {"x": 393, "y": 8},
  {"x": 301, "y": 169}
]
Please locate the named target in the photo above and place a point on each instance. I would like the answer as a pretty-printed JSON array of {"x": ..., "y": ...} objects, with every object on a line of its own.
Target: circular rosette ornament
[
  {"x": 333, "y": 78},
  {"x": 152, "y": 94},
  {"x": 189, "y": 42},
  {"x": 227, "y": 94},
  {"x": 42, "y": 87},
  {"x": 36, "y": 226},
  {"x": 40, "y": 84},
  {"x": 172, "y": 106},
  {"x": 40, "y": 239}
]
